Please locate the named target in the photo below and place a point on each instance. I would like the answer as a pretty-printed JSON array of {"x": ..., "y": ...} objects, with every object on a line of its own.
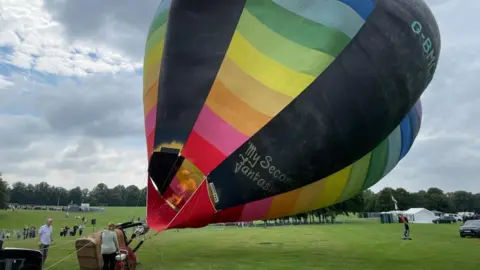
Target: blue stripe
[
  {"x": 331, "y": 13},
  {"x": 362, "y": 7},
  {"x": 406, "y": 136},
  {"x": 165, "y": 4},
  {"x": 413, "y": 115}
]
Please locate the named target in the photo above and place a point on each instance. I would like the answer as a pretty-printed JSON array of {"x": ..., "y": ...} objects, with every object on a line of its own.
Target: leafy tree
[
  {"x": 100, "y": 194},
  {"x": 85, "y": 195},
  {"x": 384, "y": 200},
  {"x": 75, "y": 195},
  {"x": 117, "y": 196},
  {"x": 19, "y": 193},
  {"x": 366, "y": 201},
  {"x": 4, "y": 193},
  {"x": 436, "y": 200},
  {"x": 132, "y": 195}
]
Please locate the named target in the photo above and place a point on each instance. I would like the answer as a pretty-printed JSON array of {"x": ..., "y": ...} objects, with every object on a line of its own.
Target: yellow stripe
[
  {"x": 251, "y": 91},
  {"x": 265, "y": 70},
  {"x": 153, "y": 58},
  {"x": 333, "y": 188},
  {"x": 308, "y": 197}
]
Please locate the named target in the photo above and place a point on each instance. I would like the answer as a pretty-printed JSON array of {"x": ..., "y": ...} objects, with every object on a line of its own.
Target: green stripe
[
  {"x": 331, "y": 13},
  {"x": 377, "y": 164},
  {"x": 280, "y": 49},
  {"x": 158, "y": 22},
  {"x": 357, "y": 177},
  {"x": 154, "y": 39},
  {"x": 297, "y": 28}
]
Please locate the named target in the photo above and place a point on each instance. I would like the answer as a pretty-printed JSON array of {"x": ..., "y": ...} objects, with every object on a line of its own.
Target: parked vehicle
[
  {"x": 473, "y": 217},
  {"x": 470, "y": 228},
  {"x": 445, "y": 219},
  {"x": 457, "y": 217}
]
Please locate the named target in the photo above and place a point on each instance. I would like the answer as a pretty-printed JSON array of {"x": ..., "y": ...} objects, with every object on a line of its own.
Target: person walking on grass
[
  {"x": 109, "y": 247},
  {"x": 45, "y": 238}
]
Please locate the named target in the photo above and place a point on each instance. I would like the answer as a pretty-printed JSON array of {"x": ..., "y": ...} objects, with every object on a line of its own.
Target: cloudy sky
[{"x": 71, "y": 96}]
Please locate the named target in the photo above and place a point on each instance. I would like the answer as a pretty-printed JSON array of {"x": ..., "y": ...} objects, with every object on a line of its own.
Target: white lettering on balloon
[{"x": 247, "y": 165}]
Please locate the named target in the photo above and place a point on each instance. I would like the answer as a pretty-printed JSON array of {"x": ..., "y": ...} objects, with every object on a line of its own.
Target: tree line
[
  {"x": 367, "y": 201},
  {"x": 45, "y": 194}
]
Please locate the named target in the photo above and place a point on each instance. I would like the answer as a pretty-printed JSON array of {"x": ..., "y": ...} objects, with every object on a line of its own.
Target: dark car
[
  {"x": 470, "y": 228},
  {"x": 449, "y": 219}
]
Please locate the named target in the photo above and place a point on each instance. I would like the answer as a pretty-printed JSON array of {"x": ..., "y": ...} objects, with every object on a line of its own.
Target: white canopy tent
[{"x": 419, "y": 215}]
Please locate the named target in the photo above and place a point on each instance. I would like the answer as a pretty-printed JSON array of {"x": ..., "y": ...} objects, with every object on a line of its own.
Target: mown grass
[{"x": 355, "y": 244}]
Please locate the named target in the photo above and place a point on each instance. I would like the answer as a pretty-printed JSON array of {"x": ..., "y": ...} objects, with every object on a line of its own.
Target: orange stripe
[
  {"x": 308, "y": 196},
  {"x": 150, "y": 78},
  {"x": 283, "y": 204},
  {"x": 150, "y": 100},
  {"x": 234, "y": 111},
  {"x": 251, "y": 91}
]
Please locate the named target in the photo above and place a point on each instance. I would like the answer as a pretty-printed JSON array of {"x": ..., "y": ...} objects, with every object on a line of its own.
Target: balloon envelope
[{"x": 258, "y": 109}]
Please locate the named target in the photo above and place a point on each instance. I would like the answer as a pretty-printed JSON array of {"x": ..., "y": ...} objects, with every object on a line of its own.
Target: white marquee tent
[{"x": 419, "y": 215}]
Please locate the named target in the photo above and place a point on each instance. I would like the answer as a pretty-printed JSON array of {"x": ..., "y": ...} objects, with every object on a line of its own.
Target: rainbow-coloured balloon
[{"x": 258, "y": 109}]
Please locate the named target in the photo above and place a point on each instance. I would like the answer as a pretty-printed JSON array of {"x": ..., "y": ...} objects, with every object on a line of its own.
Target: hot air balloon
[{"x": 258, "y": 109}]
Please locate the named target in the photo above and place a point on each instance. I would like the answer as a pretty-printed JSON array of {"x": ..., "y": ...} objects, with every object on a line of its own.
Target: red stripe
[
  {"x": 229, "y": 215},
  {"x": 159, "y": 213},
  {"x": 201, "y": 153}
]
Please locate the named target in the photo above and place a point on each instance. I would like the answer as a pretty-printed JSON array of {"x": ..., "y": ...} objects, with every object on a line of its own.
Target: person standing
[
  {"x": 109, "y": 247},
  {"x": 406, "y": 231},
  {"x": 45, "y": 237}
]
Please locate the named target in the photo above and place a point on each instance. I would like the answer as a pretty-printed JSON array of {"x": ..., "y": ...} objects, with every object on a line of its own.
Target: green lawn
[{"x": 355, "y": 244}]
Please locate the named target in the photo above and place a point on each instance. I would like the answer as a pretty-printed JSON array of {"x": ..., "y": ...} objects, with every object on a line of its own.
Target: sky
[{"x": 71, "y": 96}]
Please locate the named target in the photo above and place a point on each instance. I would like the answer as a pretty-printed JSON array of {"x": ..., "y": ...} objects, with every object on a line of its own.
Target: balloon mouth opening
[{"x": 163, "y": 167}]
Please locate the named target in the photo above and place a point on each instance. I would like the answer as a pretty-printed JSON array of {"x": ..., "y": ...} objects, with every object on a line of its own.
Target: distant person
[
  {"x": 80, "y": 229},
  {"x": 109, "y": 247},
  {"x": 406, "y": 231},
  {"x": 65, "y": 231},
  {"x": 45, "y": 237}
]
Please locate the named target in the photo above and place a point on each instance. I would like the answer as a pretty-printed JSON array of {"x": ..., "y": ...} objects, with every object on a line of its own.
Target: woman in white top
[{"x": 109, "y": 247}]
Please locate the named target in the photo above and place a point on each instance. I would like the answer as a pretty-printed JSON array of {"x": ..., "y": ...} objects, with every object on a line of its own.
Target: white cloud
[
  {"x": 39, "y": 42},
  {"x": 4, "y": 82}
]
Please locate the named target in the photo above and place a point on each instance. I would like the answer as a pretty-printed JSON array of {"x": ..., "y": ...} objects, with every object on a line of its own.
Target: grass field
[{"x": 356, "y": 244}]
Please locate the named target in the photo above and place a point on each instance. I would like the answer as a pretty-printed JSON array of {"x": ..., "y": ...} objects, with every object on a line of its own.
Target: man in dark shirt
[{"x": 406, "y": 232}]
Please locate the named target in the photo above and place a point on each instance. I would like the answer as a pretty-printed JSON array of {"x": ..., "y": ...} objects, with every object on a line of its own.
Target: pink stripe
[
  {"x": 150, "y": 120},
  {"x": 218, "y": 132},
  {"x": 256, "y": 210}
]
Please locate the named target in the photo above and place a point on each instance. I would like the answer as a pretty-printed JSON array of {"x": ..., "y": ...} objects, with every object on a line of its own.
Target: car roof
[{"x": 473, "y": 222}]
